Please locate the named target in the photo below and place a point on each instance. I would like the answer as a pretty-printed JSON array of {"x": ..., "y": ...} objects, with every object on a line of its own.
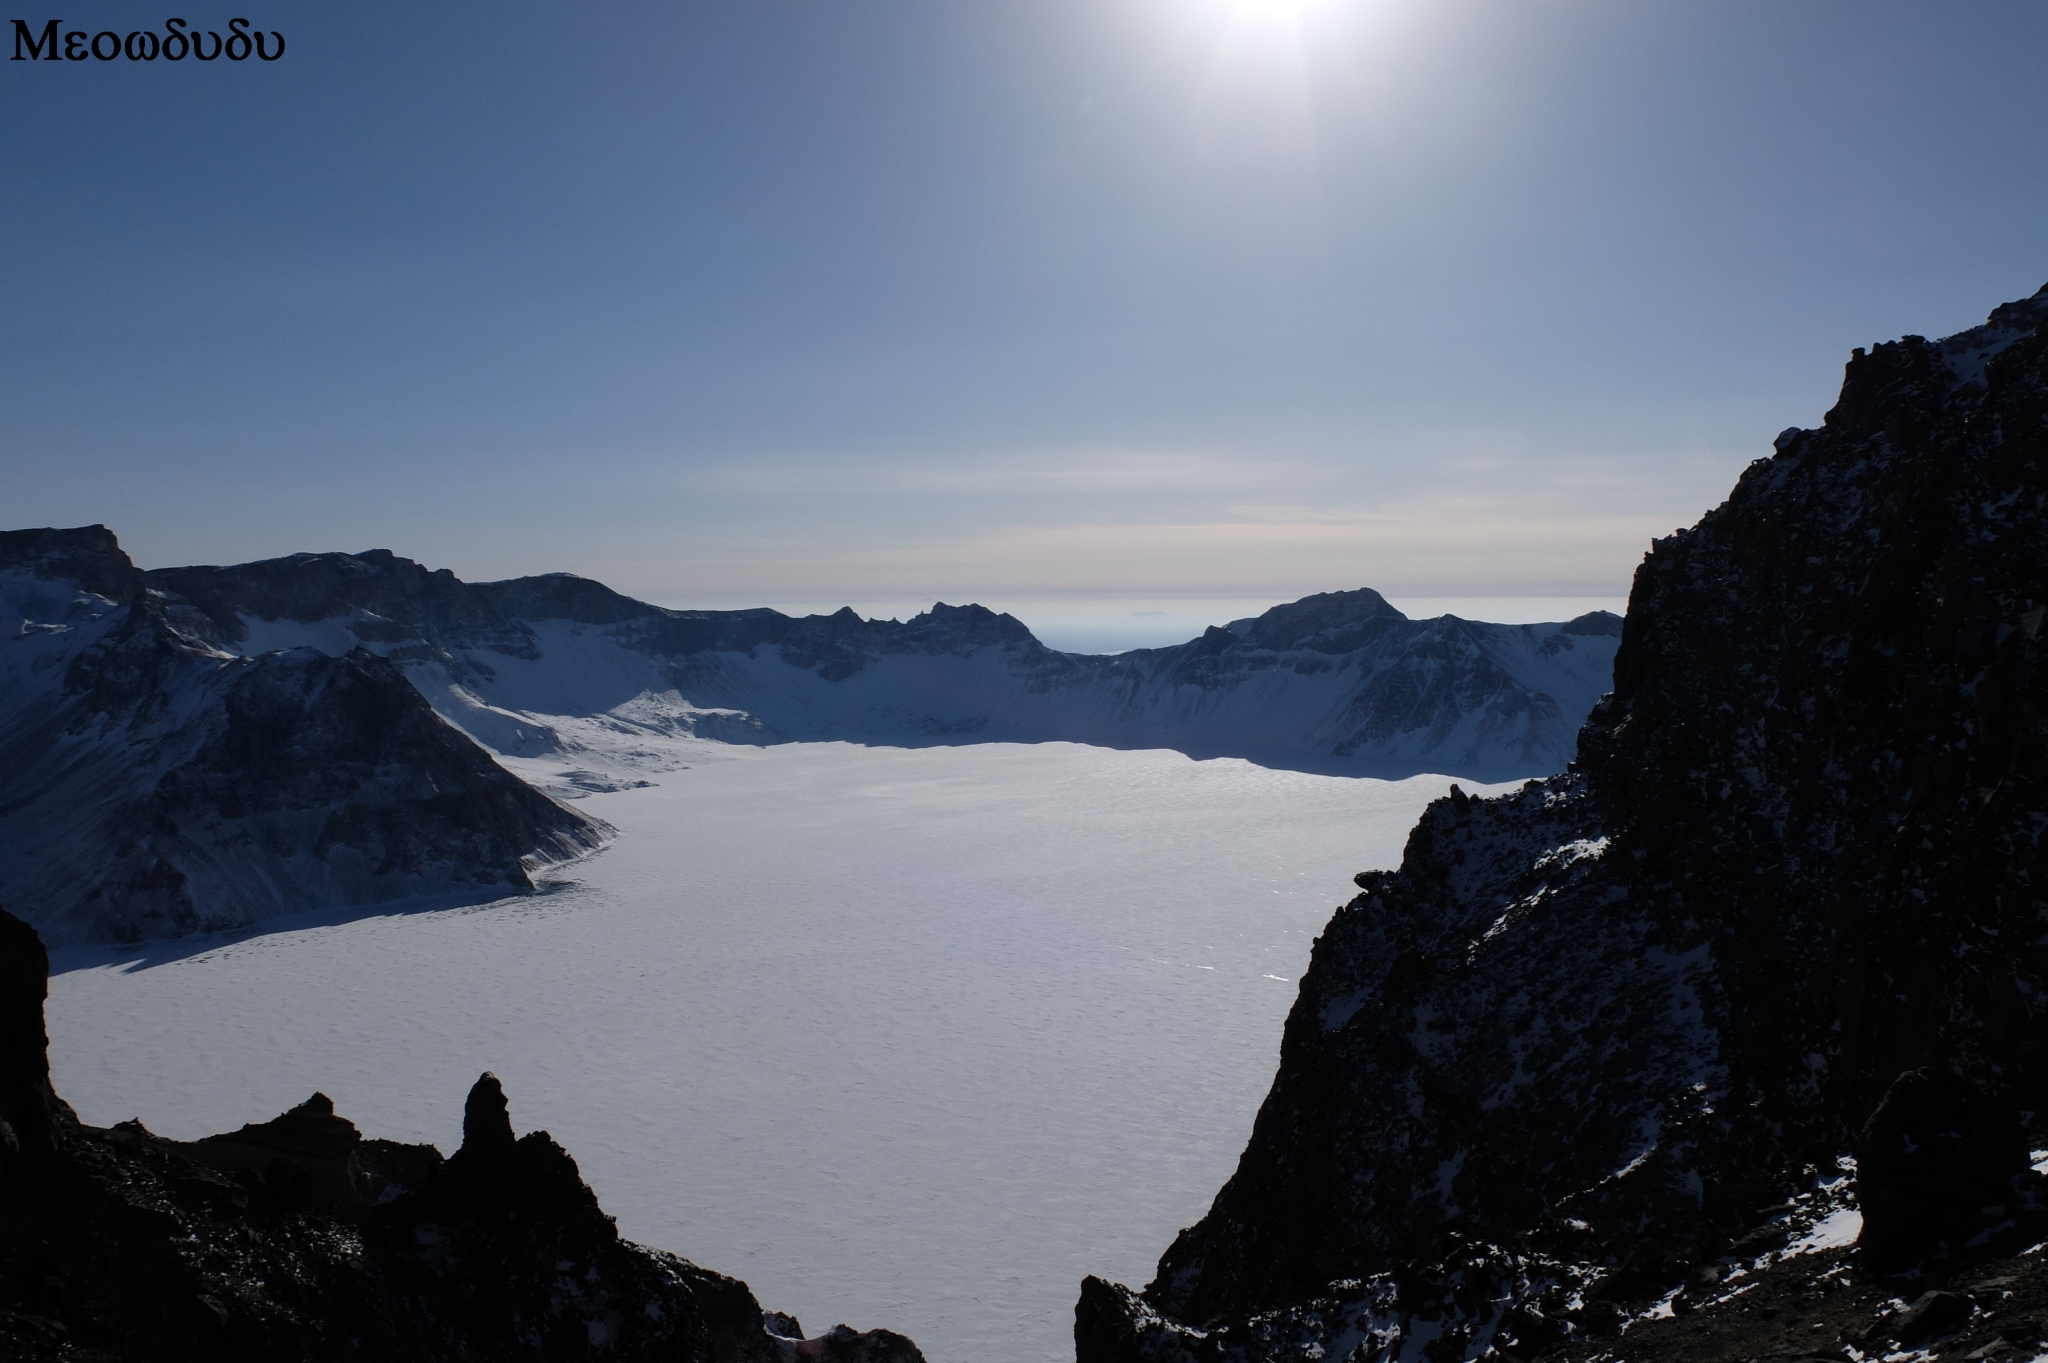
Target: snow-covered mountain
[
  {"x": 155, "y": 784},
  {"x": 197, "y": 748},
  {"x": 1339, "y": 682}
]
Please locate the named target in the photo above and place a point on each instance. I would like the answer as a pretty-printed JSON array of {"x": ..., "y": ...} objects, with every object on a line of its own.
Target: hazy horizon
[
  {"x": 1100, "y": 309},
  {"x": 1083, "y": 624}
]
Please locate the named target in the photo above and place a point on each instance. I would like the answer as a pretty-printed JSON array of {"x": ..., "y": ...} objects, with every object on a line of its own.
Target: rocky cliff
[
  {"x": 298, "y": 1241},
  {"x": 157, "y": 784},
  {"x": 1594, "y": 1039}
]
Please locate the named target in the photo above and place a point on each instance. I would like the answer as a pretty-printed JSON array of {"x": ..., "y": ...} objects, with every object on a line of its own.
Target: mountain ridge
[
  {"x": 1496, "y": 681},
  {"x": 195, "y": 749}
]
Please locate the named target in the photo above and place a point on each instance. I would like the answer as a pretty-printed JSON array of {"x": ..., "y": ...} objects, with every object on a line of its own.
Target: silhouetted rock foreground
[
  {"x": 1603, "y": 1040},
  {"x": 297, "y": 1239}
]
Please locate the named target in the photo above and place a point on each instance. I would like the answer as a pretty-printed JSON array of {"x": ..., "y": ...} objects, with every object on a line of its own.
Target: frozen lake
[{"x": 910, "y": 1038}]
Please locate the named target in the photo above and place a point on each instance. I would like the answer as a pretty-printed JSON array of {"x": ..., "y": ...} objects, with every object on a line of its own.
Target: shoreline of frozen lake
[{"x": 910, "y": 1038}]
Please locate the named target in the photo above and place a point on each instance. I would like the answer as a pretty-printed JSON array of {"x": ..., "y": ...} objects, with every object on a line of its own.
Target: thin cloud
[
  {"x": 1110, "y": 471},
  {"x": 1418, "y": 550}
]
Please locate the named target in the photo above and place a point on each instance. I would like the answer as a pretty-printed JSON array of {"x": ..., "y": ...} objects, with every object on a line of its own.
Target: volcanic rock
[
  {"x": 487, "y": 1121},
  {"x": 1938, "y": 1165},
  {"x": 30, "y": 1110},
  {"x": 297, "y": 1241},
  {"x": 1592, "y": 1034},
  {"x": 1931, "y": 1315}
]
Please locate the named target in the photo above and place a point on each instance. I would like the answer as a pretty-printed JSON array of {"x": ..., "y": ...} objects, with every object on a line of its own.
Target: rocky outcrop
[
  {"x": 30, "y": 1111},
  {"x": 297, "y": 1239},
  {"x": 1938, "y": 1165},
  {"x": 1590, "y": 1036},
  {"x": 158, "y": 785}
]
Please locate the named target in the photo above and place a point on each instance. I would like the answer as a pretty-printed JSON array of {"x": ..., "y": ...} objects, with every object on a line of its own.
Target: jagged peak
[
  {"x": 487, "y": 1118},
  {"x": 972, "y": 618},
  {"x": 312, "y": 1129}
]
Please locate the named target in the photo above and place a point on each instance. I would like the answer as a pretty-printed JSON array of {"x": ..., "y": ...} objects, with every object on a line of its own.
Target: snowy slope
[
  {"x": 157, "y": 784},
  {"x": 1340, "y": 682}
]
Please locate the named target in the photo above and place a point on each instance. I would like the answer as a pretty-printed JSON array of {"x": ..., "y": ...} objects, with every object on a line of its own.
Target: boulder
[{"x": 1939, "y": 1165}]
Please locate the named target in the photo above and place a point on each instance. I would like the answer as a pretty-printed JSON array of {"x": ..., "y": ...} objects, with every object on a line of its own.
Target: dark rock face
[
  {"x": 842, "y": 1344},
  {"x": 157, "y": 786},
  {"x": 30, "y": 1110},
  {"x": 1590, "y": 1033},
  {"x": 90, "y": 556},
  {"x": 296, "y": 1239},
  {"x": 487, "y": 1121},
  {"x": 1819, "y": 1306},
  {"x": 1937, "y": 1165}
]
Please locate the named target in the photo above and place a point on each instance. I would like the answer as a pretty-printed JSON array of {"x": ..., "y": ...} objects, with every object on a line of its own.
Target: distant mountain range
[
  {"x": 1339, "y": 682},
  {"x": 196, "y": 748}
]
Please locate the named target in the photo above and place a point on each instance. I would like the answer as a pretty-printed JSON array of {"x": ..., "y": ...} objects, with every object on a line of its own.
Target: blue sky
[{"x": 1126, "y": 310}]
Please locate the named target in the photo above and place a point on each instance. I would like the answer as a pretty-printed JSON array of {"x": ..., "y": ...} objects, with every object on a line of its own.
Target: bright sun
[
  {"x": 1272, "y": 16},
  {"x": 1272, "y": 10},
  {"x": 1261, "y": 40}
]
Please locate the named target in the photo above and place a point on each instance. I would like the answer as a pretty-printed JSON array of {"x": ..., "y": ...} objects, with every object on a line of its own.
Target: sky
[{"x": 1125, "y": 315}]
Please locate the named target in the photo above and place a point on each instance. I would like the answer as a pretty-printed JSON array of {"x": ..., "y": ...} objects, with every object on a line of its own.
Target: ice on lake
[{"x": 910, "y": 1038}]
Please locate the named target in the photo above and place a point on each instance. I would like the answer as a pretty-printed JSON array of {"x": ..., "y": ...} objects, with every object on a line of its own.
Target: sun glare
[
  {"x": 1277, "y": 9},
  {"x": 1280, "y": 13},
  {"x": 1254, "y": 25}
]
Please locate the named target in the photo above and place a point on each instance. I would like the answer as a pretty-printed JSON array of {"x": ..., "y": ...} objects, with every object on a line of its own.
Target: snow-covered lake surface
[{"x": 905, "y": 1038}]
